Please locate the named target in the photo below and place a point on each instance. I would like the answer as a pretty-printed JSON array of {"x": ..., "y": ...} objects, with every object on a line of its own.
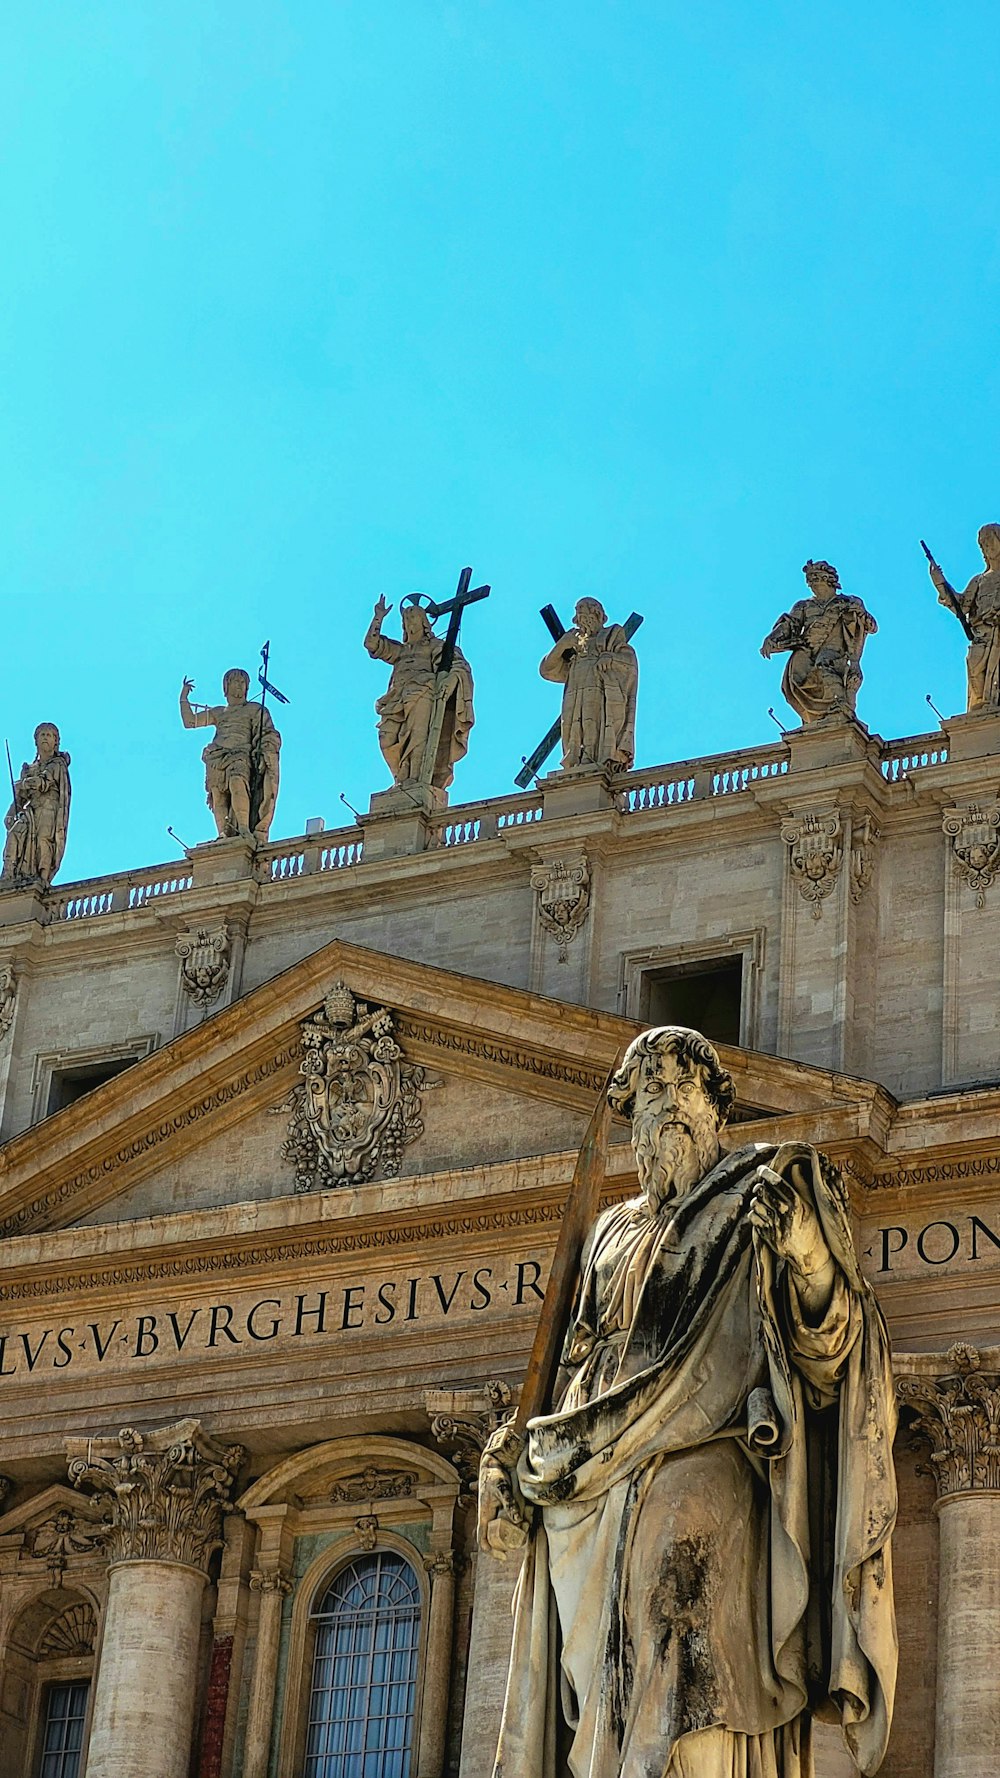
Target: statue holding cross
[
  {"x": 596, "y": 663},
  {"x": 426, "y": 714}
]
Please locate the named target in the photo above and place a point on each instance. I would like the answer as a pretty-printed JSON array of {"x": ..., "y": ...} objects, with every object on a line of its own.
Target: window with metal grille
[
  {"x": 62, "y": 1737},
  {"x": 364, "y": 1676}
]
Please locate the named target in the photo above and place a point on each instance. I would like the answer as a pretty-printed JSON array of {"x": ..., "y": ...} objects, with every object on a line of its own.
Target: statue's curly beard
[{"x": 671, "y": 1157}]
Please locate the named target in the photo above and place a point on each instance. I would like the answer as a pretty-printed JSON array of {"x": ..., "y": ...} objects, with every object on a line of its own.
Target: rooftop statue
[
  {"x": 241, "y": 761},
  {"x": 596, "y": 663},
  {"x": 707, "y": 1502},
  {"x": 823, "y": 637},
  {"x": 38, "y": 817},
  {"x": 426, "y": 715},
  {"x": 978, "y": 612}
]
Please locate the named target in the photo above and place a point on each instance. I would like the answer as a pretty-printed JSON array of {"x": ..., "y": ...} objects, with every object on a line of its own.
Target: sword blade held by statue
[{"x": 950, "y": 596}]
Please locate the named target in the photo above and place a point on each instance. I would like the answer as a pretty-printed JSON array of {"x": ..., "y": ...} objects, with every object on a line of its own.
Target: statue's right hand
[
  {"x": 187, "y": 687},
  {"x": 382, "y": 607}
]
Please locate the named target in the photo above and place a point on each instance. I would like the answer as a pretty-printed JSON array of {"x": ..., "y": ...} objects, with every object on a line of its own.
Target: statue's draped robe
[
  {"x": 40, "y": 810},
  {"x": 598, "y": 710},
  {"x": 825, "y": 638},
  {"x": 981, "y": 605},
  {"x": 406, "y": 709},
  {"x": 692, "y": 1593}
]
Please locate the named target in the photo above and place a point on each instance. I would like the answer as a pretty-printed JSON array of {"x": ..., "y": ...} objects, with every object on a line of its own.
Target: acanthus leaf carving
[
  {"x": 562, "y": 886},
  {"x": 164, "y": 1491},
  {"x": 815, "y": 844},
  {"x": 959, "y": 1415},
  {"x": 462, "y": 1421},
  {"x": 358, "y": 1105},
  {"x": 974, "y": 832},
  {"x": 205, "y": 956}
]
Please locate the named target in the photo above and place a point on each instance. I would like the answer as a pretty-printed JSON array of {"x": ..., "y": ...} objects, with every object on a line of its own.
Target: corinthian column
[
  {"x": 957, "y": 1404},
  {"x": 165, "y": 1492}
]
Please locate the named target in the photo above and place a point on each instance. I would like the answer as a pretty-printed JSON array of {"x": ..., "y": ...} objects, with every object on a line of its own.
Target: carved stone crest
[
  {"x": 975, "y": 842},
  {"x": 63, "y": 1536},
  {"x": 815, "y": 852},
  {"x": 205, "y": 957},
  {"x": 358, "y": 1105},
  {"x": 562, "y": 886},
  {"x": 8, "y": 996}
]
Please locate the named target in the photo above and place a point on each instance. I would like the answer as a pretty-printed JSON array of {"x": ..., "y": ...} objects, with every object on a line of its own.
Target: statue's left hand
[{"x": 788, "y": 1224}]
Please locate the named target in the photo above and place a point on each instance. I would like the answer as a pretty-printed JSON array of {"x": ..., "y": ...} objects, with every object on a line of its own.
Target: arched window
[{"x": 364, "y": 1677}]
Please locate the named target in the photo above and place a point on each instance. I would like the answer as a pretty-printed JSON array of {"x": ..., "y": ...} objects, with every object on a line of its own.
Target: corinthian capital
[
  {"x": 164, "y": 1491},
  {"x": 957, "y": 1409}
]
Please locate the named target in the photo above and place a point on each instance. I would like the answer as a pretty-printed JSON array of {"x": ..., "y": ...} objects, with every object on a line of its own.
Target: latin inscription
[
  {"x": 248, "y": 1322},
  {"x": 965, "y": 1240}
]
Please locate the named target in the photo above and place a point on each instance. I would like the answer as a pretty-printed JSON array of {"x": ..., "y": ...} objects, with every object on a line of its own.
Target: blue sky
[{"x": 305, "y": 302}]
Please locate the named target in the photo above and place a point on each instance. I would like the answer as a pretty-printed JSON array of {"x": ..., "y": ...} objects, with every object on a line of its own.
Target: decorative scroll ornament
[
  {"x": 563, "y": 890},
  {"x": 816, "y": 850},
  {"x": 72, "y": 1633},
  {"x": 959, "y": 1415},
  {"x": 205, "y": 958},
  {"x": 462, "y": 1421},
  {"x": 8, "y": 996},
  {"x": 63, "y": 1536},
  {"x": 165, "y": 1491},
  {"x": 975, "y": 842},
  {"x": 374, "y": 1484},
  {"x": 359, "y": 1104},
  {"x": 270, "y": 1580},
  {"x": 865, "y": 834}
]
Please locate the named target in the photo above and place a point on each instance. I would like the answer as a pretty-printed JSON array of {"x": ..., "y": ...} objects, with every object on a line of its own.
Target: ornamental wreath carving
[
  {"x": 563, "y": 889},
  {"x": 205, "y": 957},
  {"x": 359, "y": 1104},
  {"x": 975, "y": 842},
  {"x": 815, "y": 851}
]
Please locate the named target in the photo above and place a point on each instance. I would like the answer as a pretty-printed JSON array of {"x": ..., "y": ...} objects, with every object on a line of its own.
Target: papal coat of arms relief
[{"x": 358, "y": 1103}]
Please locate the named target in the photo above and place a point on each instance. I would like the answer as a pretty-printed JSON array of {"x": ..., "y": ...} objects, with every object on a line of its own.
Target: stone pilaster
[
  {"x": 956, "y": 1401},
  {"x": 165, "y": 1493},
  {"x": 440, "y": 1566},
  {"x": 273, "y": 1586}
]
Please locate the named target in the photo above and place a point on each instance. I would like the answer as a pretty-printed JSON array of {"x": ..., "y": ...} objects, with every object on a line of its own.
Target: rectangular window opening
[
  {"x": 706, "y": 995},
  {"x": 70, "y": 1084},
  {"x": 62, "y": 1733}
]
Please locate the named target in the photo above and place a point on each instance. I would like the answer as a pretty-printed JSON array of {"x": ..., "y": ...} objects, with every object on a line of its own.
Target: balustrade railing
[
  {"x": 690, "y": 780},
  {"x": 912, "y": 754},
  {"x": 485, "y": 821}
]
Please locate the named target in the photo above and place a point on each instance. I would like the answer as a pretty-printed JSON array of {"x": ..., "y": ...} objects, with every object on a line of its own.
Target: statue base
[
  {"x": 222, "y": 861},
  {"x": 576, "y": 790},
  {"x": 19, "y": 905},
  {"x": 833, "y": 741},
  {"x": 973, "y": 736},
  {"x": 401, "y": 820}
]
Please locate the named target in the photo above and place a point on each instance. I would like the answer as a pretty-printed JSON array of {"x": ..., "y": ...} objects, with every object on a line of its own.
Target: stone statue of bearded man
[{"x": 708, "y": 1506}]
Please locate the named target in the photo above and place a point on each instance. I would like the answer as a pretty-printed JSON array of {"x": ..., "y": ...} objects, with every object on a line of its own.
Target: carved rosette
[
  {"x": 815, "y": 853},
  {"x": 8, "y": 997},
  {"x": 359, "y": 1104},
  {"x": 461, "y": 1423},
  {"x": 562, "y": 887},
  {"x": 865, "y": 835},
  {"x": 204, "y": 957},
  {"x": 165, "y": 1491},
  {"x": 959, "y": 1415},
  {"x": 975, "y": 844}
]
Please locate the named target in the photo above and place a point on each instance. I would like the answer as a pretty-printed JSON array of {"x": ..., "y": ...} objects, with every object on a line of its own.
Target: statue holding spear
[{"x": 978, "y": 612}]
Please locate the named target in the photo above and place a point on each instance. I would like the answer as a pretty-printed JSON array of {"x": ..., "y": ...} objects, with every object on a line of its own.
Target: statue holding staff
[
  {"x": 823, "y": 637},
  {"x": 241, "y": 761},
  {"x": 38, "y": 817},
  {"x": 978, "y": 612},
  {"x": 705, "y": 1495},
  {"x": 597, "y": 664}
]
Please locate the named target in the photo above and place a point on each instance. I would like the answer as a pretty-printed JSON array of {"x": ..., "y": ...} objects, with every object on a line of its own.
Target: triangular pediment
[{"x": 504, "y": 1072}]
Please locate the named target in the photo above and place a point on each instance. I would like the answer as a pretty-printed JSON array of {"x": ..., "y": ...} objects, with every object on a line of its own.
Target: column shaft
[
  {"x": 967, "y": 1729},
  {"x": 148, "y": 1674},
  {"x": 437, "y": 1674},
  {"x": 265, "y": 1673}
]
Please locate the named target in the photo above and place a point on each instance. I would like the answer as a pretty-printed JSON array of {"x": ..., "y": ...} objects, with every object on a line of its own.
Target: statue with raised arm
[
  {"x": 421, "y": 701},
  {"x": 38, "y": 817},
  {"x": 823, "y": 637},
  {"x": 978, "y": 612},
  {"x": 598, "y": 667},
  {"x": 241, "y": 761},
  {"x": 707, "y": 1503}
]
